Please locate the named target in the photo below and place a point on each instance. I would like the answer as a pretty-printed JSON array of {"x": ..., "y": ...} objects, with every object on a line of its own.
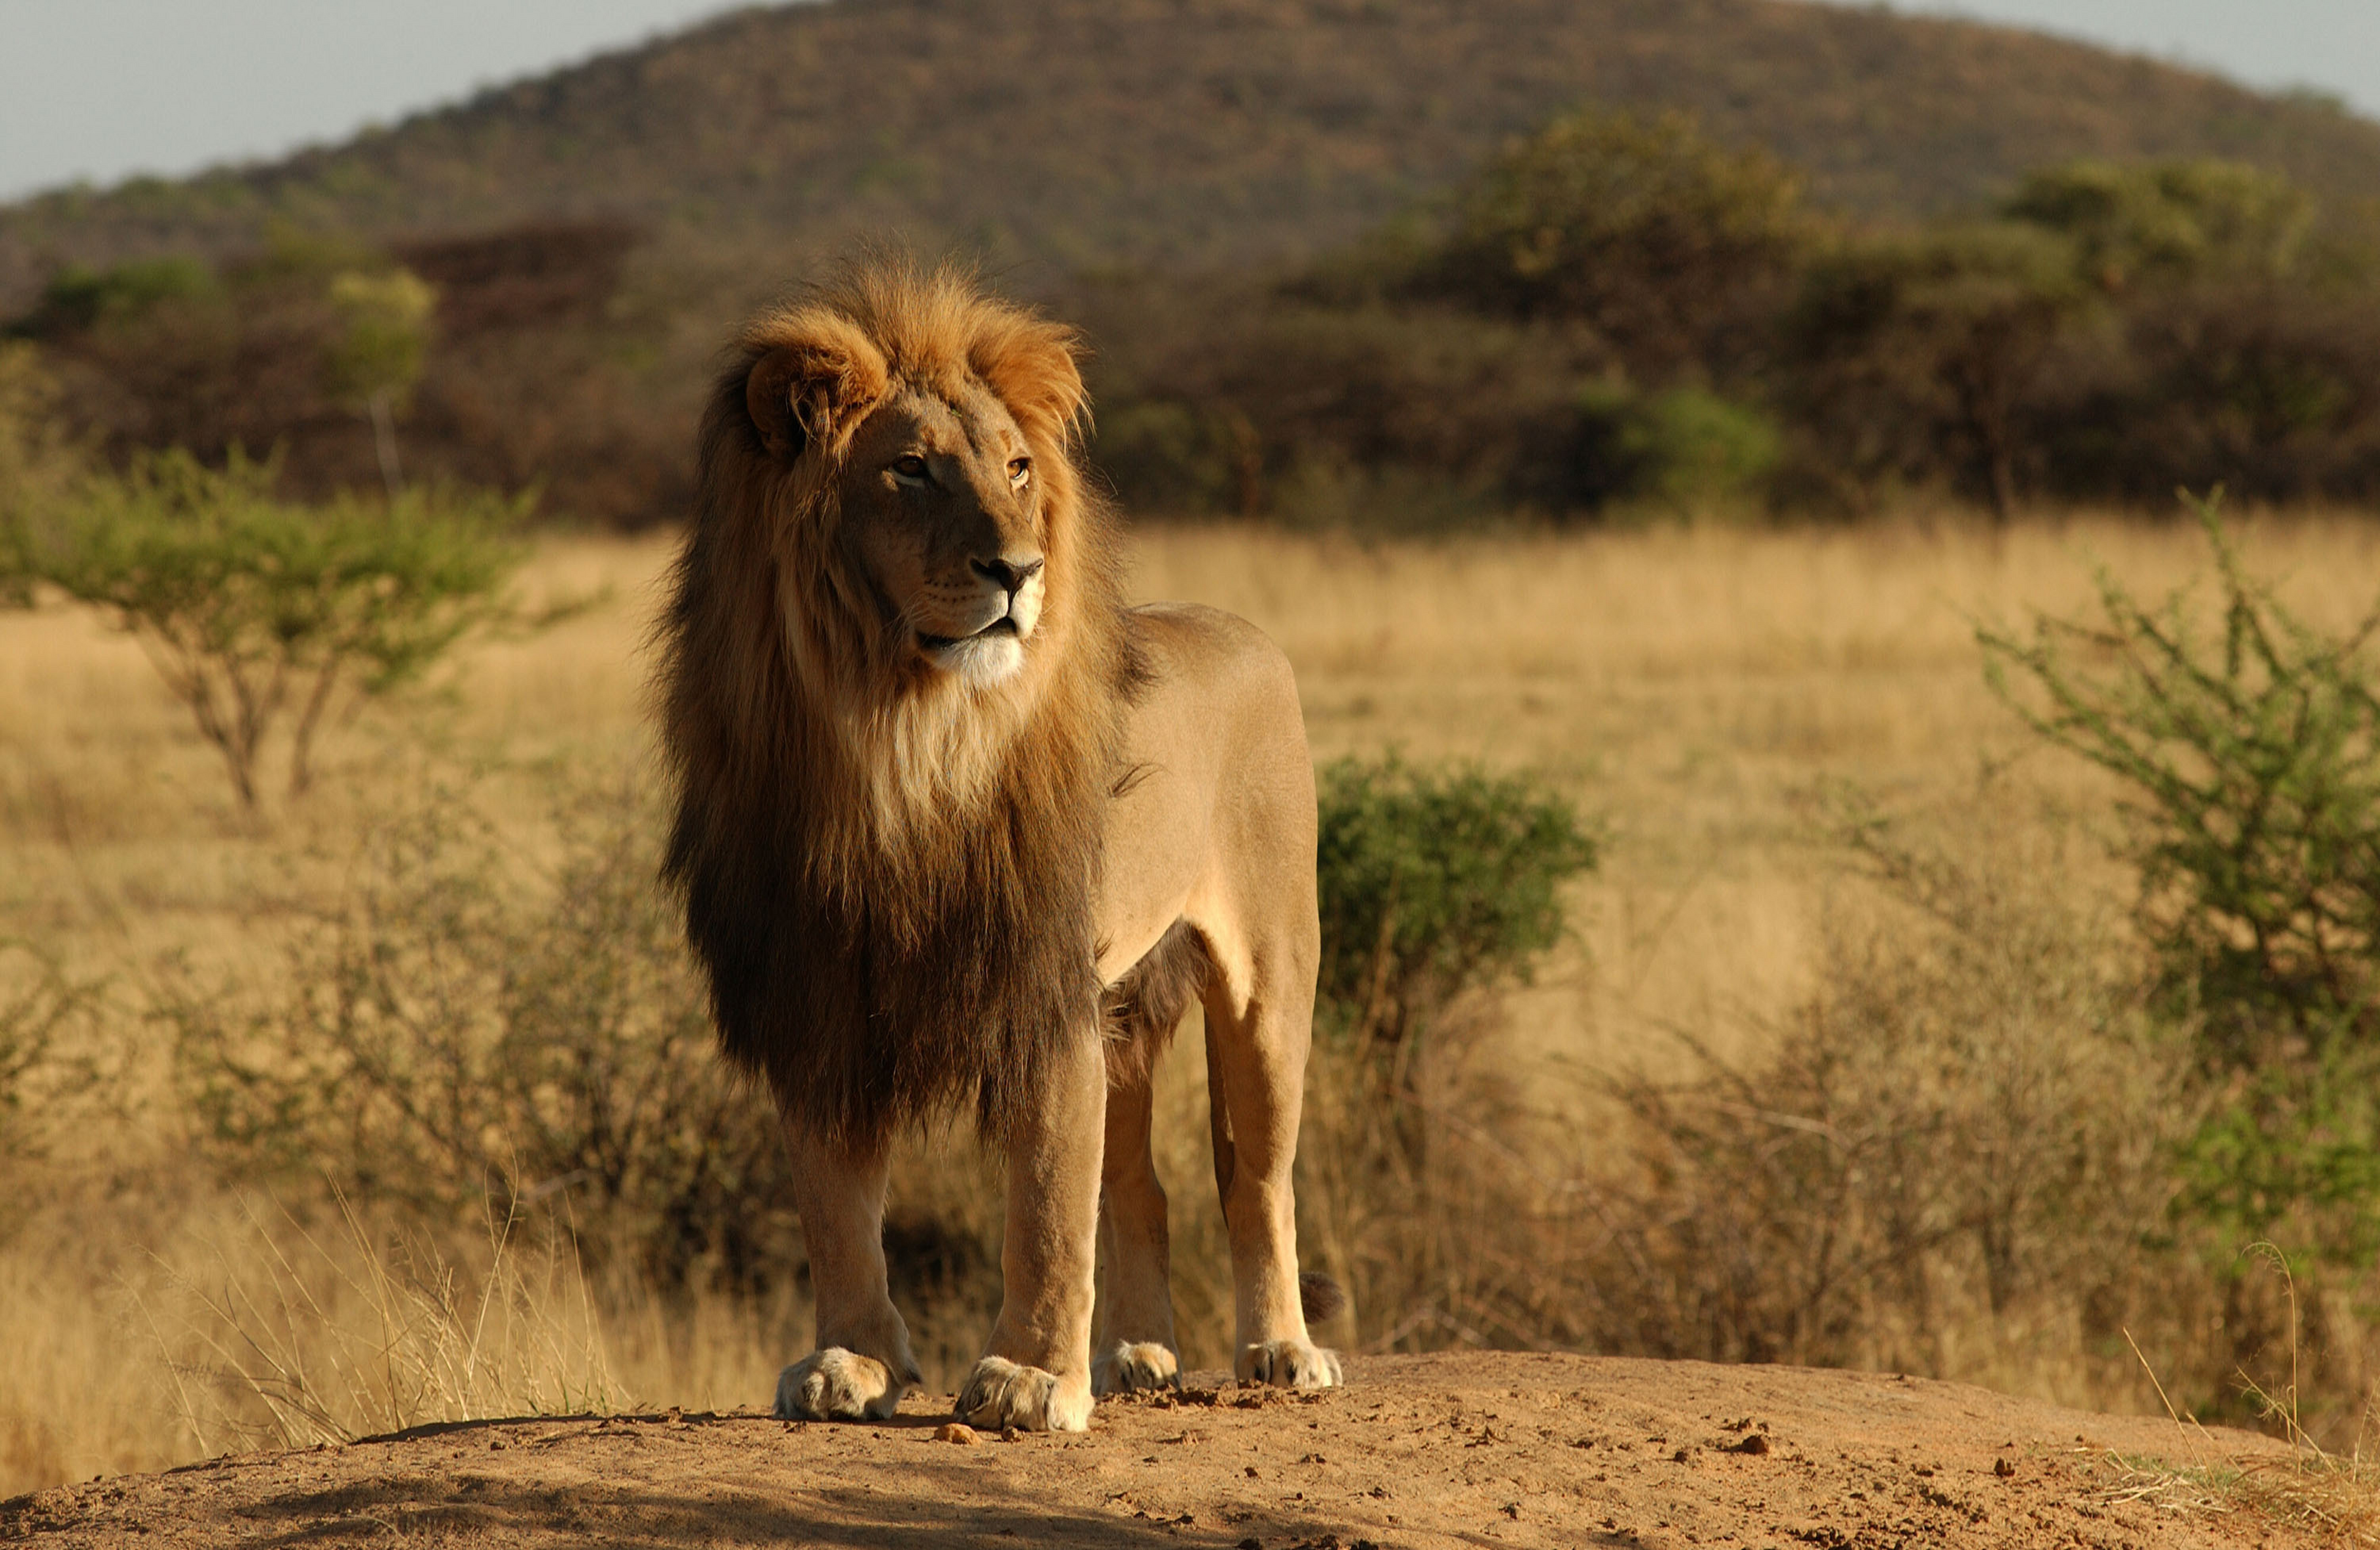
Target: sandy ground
[{"x": 1474, "y": 1448}]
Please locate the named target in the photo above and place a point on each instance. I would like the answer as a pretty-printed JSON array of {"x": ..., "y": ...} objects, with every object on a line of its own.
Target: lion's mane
[{"x": 890, "y": 875}]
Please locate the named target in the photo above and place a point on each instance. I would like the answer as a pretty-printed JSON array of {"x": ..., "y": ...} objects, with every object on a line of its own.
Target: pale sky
[
  {"x": 2330, "y": 45},
  {"x": 101, "y": 89}
]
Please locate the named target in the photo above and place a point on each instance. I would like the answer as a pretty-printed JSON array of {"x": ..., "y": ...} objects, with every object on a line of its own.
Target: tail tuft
[{"x": 1320, "y": 1297}]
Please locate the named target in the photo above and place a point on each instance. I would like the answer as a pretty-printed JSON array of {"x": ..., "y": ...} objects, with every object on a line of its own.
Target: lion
[{"x": 956, "y": 828}]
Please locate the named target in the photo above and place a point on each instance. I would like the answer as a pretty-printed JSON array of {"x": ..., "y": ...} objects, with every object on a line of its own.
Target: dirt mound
[{"x": 1416, "y": 1451}]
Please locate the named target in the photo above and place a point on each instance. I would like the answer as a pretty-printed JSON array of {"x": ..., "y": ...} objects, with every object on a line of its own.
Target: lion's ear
[
  {"x": 812, "y": 386},
  {"x": 1034, "y": 365}
]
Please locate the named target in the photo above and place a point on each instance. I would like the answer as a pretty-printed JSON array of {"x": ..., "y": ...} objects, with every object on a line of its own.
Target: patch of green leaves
[
  {"x": 2249, "y": 758},
  {"x": 255, "y": 609},
  {"x": 1434, "y": 881}
]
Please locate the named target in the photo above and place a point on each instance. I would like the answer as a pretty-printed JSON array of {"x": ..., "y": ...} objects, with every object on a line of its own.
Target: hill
[
  {"x": 1189, "y": 132},
  {"x": 1482, "y": 1448}
]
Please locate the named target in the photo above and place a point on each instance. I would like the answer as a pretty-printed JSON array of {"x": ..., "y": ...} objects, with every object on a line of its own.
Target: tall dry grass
[{"x": 1696, "y": 689}]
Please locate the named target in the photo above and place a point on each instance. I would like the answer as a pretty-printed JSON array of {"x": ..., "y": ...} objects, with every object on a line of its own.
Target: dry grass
[
  {"x": 2330, "y": 1497},
  {"x": 1691, "y": 686},
  {"x": 302, "y": 1337}
]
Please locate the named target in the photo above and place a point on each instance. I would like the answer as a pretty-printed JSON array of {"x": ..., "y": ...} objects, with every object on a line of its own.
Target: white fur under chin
[{"x": 983, "y": 662}]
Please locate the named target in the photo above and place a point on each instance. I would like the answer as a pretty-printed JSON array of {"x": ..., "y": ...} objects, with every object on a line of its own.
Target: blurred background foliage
[
  {"x": 1762, "y": 262},
  {"x": 1618, "y": 317}
]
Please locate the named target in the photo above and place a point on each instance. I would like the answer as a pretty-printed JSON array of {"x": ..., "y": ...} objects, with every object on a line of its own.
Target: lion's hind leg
[
  {"x": 863, "y": 1363},
  {"x": 1256, "y": 1035},
  {"x": 1135, "y": 1347}
]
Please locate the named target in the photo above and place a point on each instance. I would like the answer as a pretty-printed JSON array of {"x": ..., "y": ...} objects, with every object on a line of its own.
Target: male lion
[{"x": 956, "y": 826}]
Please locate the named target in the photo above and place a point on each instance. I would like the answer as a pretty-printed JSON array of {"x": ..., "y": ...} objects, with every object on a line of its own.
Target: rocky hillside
[{"x": 1088, "y": 133}]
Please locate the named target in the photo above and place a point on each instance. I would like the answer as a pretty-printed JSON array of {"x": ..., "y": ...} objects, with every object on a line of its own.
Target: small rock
[
  {"x": 958, "y": 1431},
  {"x": 2003, "y": 1468},
  {"x": 1757, "y": 1443}
]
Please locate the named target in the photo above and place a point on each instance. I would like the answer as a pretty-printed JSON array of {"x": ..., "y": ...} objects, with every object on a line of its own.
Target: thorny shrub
[
  {"x": 2249, "y": 758},
  {"x": 462, "y": 1041},
  {"x": 1959, "y": 1136}
]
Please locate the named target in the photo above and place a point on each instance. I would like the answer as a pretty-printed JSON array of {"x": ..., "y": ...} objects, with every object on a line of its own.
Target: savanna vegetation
[
  {"x": 1617, "y": 316},
  {"x": 1824, "y": 859},
  {"x": 1291, "y": 230},
  {"x": 1721, "y": 965}
]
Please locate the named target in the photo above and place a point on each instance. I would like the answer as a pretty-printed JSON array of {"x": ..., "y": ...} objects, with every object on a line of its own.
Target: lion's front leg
[
  {"x": 1036, "y": 1372},
  {"x": 862, "y": 1365}
]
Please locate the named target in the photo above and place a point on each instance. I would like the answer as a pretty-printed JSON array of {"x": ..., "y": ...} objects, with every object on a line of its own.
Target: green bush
[
  {"x": 1440, "y": 885},
  {"x": 81, "y": 297},
  {"x": 1434, "y": 882},
  {"x": 1685, "y": 449},
  {"x": 2250, "y": 753},
  {"x": 252, "y": 607}
]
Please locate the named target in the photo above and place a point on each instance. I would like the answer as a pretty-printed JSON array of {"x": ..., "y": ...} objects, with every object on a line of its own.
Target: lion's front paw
[
  {"x": 1000, "y": 1393},
  {"x": 1289, "y": 1364},
  {"x": 1130, "y": 1364},
  {"x": 838, "y": 1384}
]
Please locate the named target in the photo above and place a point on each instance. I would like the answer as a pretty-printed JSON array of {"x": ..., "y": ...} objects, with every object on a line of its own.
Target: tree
[
  {"x": 1663, "y": 240},
  {"x": 2168, "y": 222},
  {"x": 1914, "y": 355},
  {"x": 251, "y": 606},
  {"x": 377, "y": 356}
]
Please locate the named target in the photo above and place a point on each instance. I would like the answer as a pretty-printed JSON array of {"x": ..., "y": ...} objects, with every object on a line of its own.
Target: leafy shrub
[
  {"x": 2251, "y": 755},
  {"x": 2247, "y": 750},
  {"x": 1440, "y": 885},
  {"x": 80, "y": 297},
  {"x": 1434, "y": 882},
  {"x": 251, "y": 606},
  {"x": 1686, "y": 448},
  {"x": 2252, "y": 761}
]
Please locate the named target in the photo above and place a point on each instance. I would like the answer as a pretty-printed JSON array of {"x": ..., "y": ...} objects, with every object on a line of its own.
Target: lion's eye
[
  {"x": 909, "y": 465},
  {"x": 1019, "y": 470}
]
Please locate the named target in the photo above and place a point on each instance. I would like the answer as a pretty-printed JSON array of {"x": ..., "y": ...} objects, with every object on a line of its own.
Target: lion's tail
[{"x": 1319, "y": 1296}]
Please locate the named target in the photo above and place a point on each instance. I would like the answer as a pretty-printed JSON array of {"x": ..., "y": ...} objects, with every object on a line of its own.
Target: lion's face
[{"x": 942, "y": 520}]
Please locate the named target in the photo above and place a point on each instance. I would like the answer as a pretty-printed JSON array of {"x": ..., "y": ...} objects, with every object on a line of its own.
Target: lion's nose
[{"x": 1012, "y": 575}]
